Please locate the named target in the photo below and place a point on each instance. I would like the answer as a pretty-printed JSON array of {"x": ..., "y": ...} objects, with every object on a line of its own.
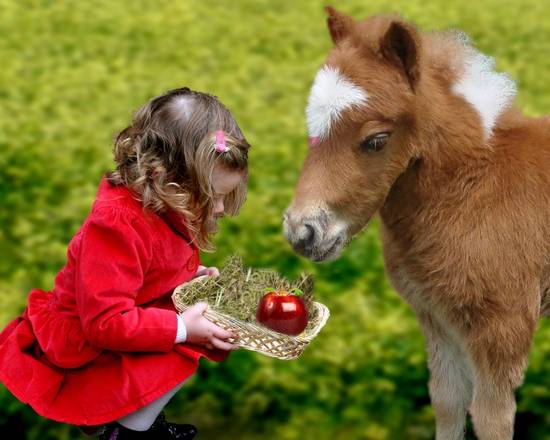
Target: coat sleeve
[{"x": 115, "y": 252}]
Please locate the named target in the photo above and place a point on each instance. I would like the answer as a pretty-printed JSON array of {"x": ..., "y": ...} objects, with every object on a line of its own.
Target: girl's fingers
[
  {"x": 223, "y": 334},
  {"x": 199, "y": 277},
  {"x": 218, "y": 343},
  {"x": 200, "y": 307},
  {"x": 199, "y": 269},
  {"x": 213, "y": 271},
  {"x": 200, "y": 273},
  {"x": 207, "y": 271},
  {"x": 219, "y": 332}
]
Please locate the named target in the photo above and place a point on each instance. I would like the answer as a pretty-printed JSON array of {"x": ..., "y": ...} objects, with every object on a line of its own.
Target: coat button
[{"x": 193, "y": 263}]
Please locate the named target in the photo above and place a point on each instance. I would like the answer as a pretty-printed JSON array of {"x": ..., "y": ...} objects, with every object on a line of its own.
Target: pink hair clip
[{"x": 221, "y": 147}]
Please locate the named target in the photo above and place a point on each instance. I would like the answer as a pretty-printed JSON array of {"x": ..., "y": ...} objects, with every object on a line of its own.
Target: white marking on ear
[
  {"x": 489, "y": 92},
  {"x": 331, "y": 94}
]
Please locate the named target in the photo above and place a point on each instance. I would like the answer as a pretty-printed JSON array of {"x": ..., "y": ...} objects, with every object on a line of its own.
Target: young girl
[{"x": 106, "y": 346}]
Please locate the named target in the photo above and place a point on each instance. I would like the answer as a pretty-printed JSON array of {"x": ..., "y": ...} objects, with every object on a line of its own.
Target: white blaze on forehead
[
  {"x": 331, "y": 94},
  {"x": 489, "y": 92}
]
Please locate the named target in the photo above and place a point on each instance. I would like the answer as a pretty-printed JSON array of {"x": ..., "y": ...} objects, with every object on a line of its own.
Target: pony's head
[
  {"x": 377, "y": 105},
  {"x": 359, "y": 115}
]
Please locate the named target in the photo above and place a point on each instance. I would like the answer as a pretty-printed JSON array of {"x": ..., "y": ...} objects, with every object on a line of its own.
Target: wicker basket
[{"x": 255, "y": 337}]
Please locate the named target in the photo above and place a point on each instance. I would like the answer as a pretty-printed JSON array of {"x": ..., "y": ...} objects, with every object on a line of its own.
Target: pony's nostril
[
  {"x": 301, "y": 234},
  {"x": 310, "y": 235}
]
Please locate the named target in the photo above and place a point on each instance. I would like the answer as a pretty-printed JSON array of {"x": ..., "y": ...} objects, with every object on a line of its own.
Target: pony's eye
[{"x": 375, "y": 142}]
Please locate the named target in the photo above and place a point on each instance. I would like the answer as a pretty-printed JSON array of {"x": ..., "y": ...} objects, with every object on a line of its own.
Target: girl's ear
[
  {"x": 338, "y": 24},
  {"x": 399, "y": 45}
]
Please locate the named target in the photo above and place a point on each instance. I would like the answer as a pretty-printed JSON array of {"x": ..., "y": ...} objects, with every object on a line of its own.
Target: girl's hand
[
  {"x": 201, "y": 331},
  {"x": 209, "y": 271}
]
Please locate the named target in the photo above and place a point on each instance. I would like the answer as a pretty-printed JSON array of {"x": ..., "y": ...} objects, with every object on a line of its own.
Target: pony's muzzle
[
  {"x": 301, "y": 237},
  {"x": 309, "y": 236}
]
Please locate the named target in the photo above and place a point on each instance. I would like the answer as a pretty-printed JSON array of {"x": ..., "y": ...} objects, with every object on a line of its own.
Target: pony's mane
[{"x": 489, "y": 92}]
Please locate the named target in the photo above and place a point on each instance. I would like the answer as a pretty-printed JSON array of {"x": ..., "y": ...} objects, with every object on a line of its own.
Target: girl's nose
[{"x": 218, "y": 208}]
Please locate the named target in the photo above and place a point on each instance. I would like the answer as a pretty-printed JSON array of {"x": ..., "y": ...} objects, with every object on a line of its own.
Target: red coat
[{"x": 101, "y": 344}]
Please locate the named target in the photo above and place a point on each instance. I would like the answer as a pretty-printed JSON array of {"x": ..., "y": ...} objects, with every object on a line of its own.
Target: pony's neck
[
  {"x": 456, "y": 155},
  {"x": 463, "y": 114}
]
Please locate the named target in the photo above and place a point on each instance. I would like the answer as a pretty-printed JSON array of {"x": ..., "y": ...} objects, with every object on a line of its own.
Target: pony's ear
[
  {"x": 399, "y": 45},
  {"x": 338, "y": 24}
]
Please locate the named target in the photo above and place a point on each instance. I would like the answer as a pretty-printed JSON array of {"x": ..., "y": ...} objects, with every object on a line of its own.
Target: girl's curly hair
[{"x": 167, "y": 155}]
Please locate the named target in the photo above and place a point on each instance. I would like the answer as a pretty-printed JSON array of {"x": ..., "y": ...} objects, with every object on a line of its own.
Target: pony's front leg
[
  {"x": 499, "y": 353},
  {"x": 493, "y": 410},
  {"x": 450, "y": 379}
]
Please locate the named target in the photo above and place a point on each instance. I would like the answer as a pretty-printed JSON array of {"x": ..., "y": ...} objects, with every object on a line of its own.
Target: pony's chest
[
  {"x": 418, "y": 295},
  {"x": 416, "y": 269}
]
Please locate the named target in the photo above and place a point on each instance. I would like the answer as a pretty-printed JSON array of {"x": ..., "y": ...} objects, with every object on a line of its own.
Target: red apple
[{"x": 282, "y": 312}]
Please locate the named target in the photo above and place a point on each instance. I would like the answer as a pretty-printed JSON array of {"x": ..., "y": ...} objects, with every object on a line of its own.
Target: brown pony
[{"x": 420, "y": 128}]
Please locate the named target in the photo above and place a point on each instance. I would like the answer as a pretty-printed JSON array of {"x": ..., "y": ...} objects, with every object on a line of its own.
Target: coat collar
[
  {"x": 108, "y": 192},
  {"x": 177, "y": 223}
]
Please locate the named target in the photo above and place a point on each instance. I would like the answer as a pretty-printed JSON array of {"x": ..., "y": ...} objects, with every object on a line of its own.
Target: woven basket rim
[{"x": 301, "y": 340}]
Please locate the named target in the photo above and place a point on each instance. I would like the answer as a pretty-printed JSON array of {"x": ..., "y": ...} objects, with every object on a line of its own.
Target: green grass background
[{"x": 71, "y": 74}]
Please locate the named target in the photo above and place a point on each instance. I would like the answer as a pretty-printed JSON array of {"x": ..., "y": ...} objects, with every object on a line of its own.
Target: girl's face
[{"x": 224, "y": 181}]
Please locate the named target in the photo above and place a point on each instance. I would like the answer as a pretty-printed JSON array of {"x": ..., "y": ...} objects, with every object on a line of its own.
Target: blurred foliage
[{"x": 72, "y": 73}]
